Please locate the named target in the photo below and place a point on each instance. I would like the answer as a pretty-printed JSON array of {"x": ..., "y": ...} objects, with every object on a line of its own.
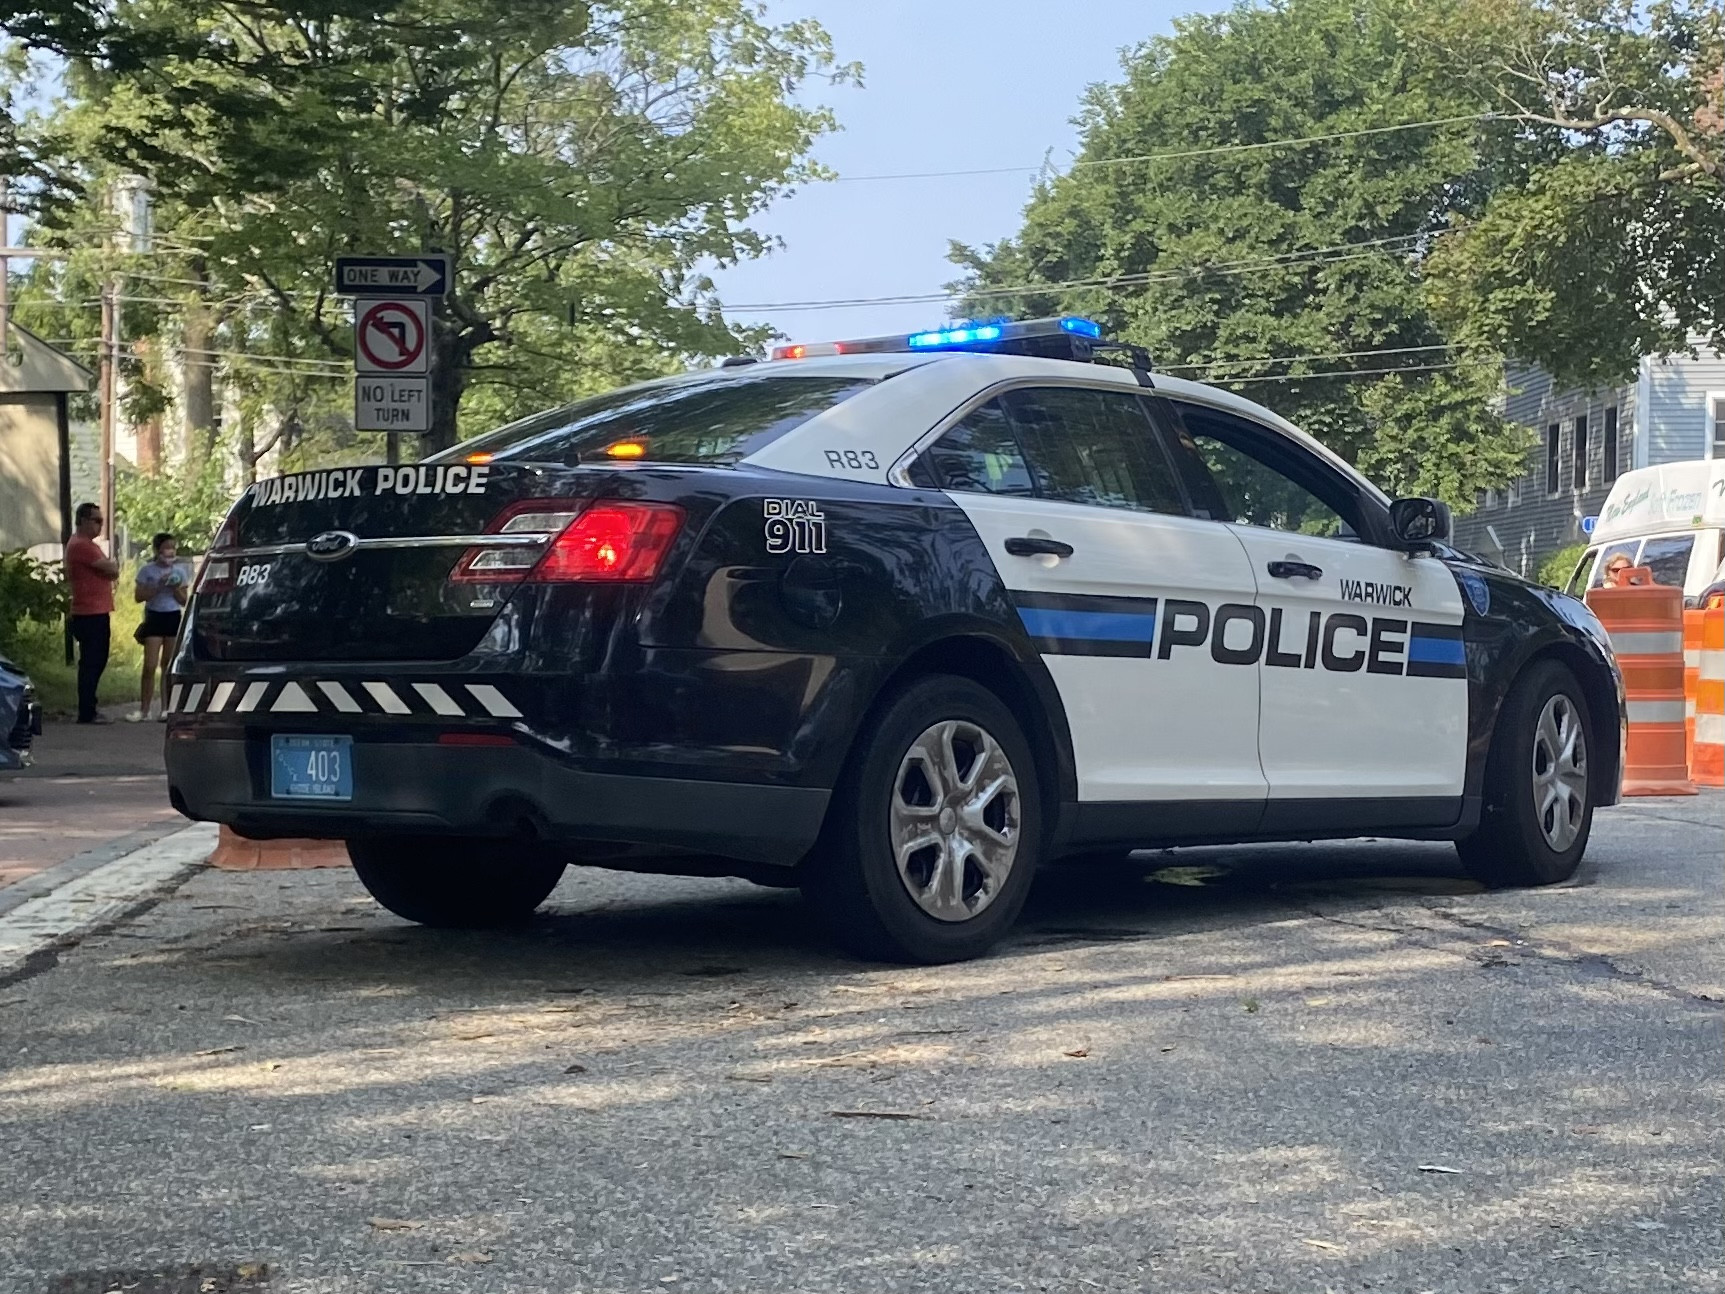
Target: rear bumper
[{"x": 421, "y": 788}]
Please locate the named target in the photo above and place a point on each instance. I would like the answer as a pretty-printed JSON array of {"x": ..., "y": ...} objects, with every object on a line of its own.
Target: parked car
[{"x": 20, "y": 716}]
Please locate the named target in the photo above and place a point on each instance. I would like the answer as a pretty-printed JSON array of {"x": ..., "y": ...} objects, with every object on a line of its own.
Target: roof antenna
[{"x": 1136, "y": 356}]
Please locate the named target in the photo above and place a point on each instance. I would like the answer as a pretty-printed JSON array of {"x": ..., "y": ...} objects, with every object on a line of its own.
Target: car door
[
  {"x": 1362, "y": 669},
  {"x": 1073, "y": 493}
]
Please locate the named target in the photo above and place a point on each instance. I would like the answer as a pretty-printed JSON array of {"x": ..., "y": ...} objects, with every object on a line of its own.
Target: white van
[{"x": 1667, "y": 518}]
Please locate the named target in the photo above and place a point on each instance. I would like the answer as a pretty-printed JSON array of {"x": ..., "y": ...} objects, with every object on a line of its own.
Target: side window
[
  {"x": 1668, "y": 558},
  {"x": 1610, "y": 553},
  {"x": 980, "y": 455},
  {"x": 1094, "y": 447},
  {"x": 1244, "y": 474}
]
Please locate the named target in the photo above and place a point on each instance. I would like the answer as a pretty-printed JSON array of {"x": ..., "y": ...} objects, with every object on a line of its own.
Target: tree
[
  {"x": 1293, "y": 273},
  {"x": 1608, "y": 243},
  {"x": 579, "y": 163}
]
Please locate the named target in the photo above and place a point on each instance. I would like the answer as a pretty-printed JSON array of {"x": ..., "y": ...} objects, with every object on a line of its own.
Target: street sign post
[{"x": 426, "y": 275}]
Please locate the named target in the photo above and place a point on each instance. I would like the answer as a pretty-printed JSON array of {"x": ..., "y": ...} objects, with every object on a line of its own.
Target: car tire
[
  {"x": 1538, "y": 802},
  {"x": 454, "y": 883},
  {"x": 953, "y": 896}
]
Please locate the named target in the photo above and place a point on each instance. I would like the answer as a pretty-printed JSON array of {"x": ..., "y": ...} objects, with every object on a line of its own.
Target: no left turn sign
[{"x": 390, "y": 336}]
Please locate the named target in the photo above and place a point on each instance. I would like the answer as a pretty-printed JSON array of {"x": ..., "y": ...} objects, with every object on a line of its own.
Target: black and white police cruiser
[{"x": 893, "y": 620}]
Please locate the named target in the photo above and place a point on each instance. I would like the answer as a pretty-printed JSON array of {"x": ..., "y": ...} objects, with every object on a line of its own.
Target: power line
[
  {"x": 1178, "y": 154},
  {"x": 1314, "y": 256},
  {"x": 1352, "y": 372},
  {"x": 1289, "y": 359}
]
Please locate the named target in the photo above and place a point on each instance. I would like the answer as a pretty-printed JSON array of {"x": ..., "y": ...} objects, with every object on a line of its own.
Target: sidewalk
[{"x": 90, "y": 785}]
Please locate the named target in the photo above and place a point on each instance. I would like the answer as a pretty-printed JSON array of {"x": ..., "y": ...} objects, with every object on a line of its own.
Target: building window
[
  {"x": 1716, "y": 424},
  {"x": 1610, "y": 446},
  {"x": 1553, "y": 478},
  {"x": 1578, "y": 474},
  {"x": 1512, "y": 495}
]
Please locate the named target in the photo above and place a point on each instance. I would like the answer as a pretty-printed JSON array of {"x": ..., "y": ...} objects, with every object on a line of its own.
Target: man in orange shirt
[{"x": 92, "y": 573}]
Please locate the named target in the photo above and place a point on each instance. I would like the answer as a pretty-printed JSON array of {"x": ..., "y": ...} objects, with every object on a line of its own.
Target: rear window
[{"x": 713, "y": 421}]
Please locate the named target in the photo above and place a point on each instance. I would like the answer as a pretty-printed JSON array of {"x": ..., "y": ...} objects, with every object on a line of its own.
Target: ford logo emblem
[{"x": 331, "y": 545}]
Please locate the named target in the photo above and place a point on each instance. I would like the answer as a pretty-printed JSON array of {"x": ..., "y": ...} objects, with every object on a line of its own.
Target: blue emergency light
[{"x": 1060, "y": 337}]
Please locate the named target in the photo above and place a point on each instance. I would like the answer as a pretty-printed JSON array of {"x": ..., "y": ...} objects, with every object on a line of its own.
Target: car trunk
[{"x": 388, "y": 596}]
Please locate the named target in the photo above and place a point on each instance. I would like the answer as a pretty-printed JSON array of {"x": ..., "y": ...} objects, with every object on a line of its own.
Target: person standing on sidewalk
[
  {"x": 91, "y": 573},
  {"x": 161, "y": 587}
]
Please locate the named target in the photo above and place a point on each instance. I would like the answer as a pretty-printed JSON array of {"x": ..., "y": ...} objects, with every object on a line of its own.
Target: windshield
[{"x": 715, "y": 421}]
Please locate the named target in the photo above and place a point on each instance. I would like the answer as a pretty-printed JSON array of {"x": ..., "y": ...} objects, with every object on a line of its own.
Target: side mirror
[{"x": 1417, "y": 523}]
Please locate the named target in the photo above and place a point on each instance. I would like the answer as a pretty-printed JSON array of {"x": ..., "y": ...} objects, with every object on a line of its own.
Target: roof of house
[{"x": 34, "y": 367}]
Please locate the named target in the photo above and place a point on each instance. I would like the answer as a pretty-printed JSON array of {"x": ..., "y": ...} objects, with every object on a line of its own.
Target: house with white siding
[{"x": 1673, "y": 412}]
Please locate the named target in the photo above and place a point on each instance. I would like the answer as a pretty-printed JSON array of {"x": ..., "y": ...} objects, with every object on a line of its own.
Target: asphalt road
[{"x": 1334, "y": 1068}]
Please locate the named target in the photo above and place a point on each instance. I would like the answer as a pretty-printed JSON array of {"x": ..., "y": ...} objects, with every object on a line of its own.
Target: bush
[
  {"x": 1556, "y": 569},
  {"x": 30, "y": 590}
]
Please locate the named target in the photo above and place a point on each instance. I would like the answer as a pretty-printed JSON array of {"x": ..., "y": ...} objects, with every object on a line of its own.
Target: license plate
[{"x": 311, "y": 768}]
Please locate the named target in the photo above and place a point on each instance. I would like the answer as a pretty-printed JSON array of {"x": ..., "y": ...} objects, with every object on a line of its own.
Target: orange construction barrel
[
  {"x": 1645, "y": 621},
  {"x": 1692, "y": 621},
  {"x": 1707, "y": 748}
]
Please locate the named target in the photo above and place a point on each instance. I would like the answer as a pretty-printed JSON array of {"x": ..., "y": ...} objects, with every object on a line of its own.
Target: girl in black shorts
[{"x": 161, "y": 587}]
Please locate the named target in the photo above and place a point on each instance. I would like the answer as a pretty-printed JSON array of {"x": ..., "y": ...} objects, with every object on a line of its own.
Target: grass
[{"x": 40, "y": 651}]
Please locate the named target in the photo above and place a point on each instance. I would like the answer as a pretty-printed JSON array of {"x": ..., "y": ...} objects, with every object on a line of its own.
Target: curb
[{"x": 105, "y": 891}]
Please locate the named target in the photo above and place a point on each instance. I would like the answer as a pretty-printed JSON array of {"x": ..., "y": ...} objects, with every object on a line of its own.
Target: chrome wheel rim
[
  {"x": 1559, "y": 773},
  {"x": 955, "y": 820}
]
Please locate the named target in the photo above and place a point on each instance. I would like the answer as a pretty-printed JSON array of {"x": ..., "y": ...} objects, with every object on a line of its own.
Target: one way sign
[{"x": 426, "y": 275}]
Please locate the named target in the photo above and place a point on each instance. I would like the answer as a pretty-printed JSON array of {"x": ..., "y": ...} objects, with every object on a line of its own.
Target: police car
[{"x": 894, "y": 620}]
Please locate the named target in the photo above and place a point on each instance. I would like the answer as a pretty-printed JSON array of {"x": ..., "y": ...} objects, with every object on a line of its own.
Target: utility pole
[
  {"x": 5, "y": 267},
  {"x": 110, "y": 347}
]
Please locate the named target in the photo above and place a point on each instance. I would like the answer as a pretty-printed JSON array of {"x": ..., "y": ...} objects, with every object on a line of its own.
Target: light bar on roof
[
  {"x": 948, "y": 337},
  {"x": 1058, "y": 337}
]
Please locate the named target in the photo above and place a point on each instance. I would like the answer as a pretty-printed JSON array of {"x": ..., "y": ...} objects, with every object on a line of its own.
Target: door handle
[
  {"x": 1030, "y": 546},
  {"x": 1295, "y": 571}
]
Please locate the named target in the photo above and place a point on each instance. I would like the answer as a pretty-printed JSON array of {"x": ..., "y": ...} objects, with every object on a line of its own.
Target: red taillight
[
  {"x": 217, "y": 575},
  {"x": 612, "y": 541}
]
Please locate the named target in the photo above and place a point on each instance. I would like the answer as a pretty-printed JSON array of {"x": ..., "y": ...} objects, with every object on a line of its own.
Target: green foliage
[
  {"x": 30, "y": 590},
  {"x": 188, "y": 503},
  {"x": 1292, "y": 274},
  {"x": 580, "y": 163},
  {"x": 1556, "y": 569},
  {"x": 1605, "y": 239}
]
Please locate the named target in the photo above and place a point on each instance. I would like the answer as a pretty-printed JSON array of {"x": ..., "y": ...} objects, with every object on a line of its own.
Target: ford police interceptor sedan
[{"x": 894, "y": 621}]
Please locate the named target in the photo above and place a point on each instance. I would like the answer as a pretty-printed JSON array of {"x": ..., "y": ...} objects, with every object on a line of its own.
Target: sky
[{"x": 947, "y": 85}]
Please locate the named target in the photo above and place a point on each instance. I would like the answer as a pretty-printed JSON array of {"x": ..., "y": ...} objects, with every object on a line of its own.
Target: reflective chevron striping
[
  {"x": 495, "y": 703},
  {"x": 301, "y": 697},
  {"x": 386, "y": 699},
  {"x": 439, "y": 700},
  {"x": 293, "y": 700},
  {"x": 339, "y": 697}
]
